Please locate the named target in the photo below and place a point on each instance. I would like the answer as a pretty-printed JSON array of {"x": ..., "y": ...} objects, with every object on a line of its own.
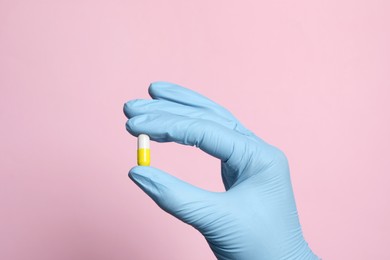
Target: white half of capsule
[{"x": 143, "y": 141}]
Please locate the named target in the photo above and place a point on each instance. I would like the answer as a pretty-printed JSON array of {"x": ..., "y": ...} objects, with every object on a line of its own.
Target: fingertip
[
  {"x": 143, "y": 170},
  {"x": 138, "y": 173},
  {"x": 129, "y": 126},
  {"x": 147, "y": 178},
  {"x": 152, "y": 88},
  {"x": 133, "y": 123},
  {"x": 125, "y": 109},
  {"x": 130, "y": 173},
  {"x": 140, "y": 170},
  {"x": 134, "y": 171},
  {"x": 128, "y": 107},
  {"x": 157, "y": 86}
]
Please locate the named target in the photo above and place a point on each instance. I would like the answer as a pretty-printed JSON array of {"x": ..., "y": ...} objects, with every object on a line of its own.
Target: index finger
[{"x": 178, "y": 94}]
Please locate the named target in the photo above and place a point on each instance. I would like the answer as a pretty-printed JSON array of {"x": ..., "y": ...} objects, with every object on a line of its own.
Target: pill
[{"x": 143, "y": 150}]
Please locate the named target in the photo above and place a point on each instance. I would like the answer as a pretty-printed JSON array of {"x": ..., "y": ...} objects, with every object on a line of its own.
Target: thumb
[{"x": 186, "y": 202}]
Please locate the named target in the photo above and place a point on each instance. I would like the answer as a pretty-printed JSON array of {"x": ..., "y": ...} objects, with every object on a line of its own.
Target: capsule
[{"x": 143, "y": 150}]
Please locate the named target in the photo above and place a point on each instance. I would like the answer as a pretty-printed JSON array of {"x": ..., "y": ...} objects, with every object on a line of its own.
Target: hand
[{"x": 256, "y": 218}]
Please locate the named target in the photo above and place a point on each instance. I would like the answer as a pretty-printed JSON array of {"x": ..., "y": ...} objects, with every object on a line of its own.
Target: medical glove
[{"x": 256, "y": 218}]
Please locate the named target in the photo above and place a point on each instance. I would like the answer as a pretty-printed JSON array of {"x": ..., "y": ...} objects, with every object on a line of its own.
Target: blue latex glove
[{"x": 256, "y": 218}]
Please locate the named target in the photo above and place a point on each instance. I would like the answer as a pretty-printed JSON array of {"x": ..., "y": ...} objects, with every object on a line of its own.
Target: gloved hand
[{"x": 256, "y": 218}]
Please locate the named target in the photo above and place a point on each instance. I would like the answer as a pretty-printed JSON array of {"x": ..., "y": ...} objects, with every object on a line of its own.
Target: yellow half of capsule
[{"x": 143, "y": 157}]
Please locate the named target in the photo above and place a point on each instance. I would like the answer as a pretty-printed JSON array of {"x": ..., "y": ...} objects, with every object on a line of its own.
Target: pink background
[{"x": 311, "y": 77}]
